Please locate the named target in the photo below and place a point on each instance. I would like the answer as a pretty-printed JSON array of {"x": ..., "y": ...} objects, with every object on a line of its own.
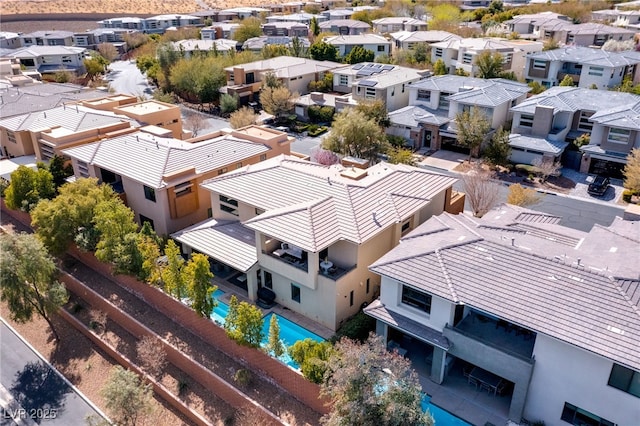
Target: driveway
[{"x": 127, "y": 79}]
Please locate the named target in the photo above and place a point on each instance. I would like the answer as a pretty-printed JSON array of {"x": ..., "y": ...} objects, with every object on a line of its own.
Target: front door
[{"x": 426, "y": 143}]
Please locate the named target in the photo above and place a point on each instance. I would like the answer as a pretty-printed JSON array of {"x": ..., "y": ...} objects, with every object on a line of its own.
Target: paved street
[{"x": 127, "y": 79}]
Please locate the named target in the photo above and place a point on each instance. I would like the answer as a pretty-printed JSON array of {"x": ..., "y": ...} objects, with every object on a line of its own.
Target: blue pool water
[
  {"x": 219, "y": 312},
  {"x": 290, "y": 333},
  {"x": 441, "y": 417}
]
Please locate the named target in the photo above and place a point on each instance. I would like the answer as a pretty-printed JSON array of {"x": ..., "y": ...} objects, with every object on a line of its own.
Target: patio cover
[{"x": 226, "y": 241}]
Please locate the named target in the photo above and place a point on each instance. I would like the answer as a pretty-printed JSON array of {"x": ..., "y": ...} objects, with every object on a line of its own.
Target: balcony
[
  {"x": 332, "y": 271},
  {"x": 299, "y": 262}
]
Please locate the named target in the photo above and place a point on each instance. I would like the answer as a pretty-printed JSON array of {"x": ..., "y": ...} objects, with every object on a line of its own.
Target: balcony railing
[
  {"x": 291, "y": 260},
  {"x": 335, "y": 272}
]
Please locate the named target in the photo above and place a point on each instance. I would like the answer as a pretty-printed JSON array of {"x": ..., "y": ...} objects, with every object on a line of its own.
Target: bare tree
[
  {"x": 632, "y": 171},
  {"x": 481, "y": 191},
  {"x": 242, "y": 117},
  {"x": 195, "y": 122},
  {"x": 547, "y": 167},
  {"x": 108, "y": 51},
  {"x": 151, "y": 355}
]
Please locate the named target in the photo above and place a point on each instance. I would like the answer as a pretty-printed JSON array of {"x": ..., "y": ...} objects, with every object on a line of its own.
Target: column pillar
[{"x": 437, "y": 364}]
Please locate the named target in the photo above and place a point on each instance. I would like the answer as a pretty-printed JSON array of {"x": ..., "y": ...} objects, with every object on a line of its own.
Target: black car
[{"x": 598, "y": 186}]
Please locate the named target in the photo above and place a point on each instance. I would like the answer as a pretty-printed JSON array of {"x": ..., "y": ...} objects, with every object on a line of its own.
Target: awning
[{"x": 228, "y": 242}]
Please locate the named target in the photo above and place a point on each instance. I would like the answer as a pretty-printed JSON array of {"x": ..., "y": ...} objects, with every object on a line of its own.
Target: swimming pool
[
  {"x": 220, "y": 311},
  {"x": 441, "y": 417},
  {"x": 290, "y": 333}
]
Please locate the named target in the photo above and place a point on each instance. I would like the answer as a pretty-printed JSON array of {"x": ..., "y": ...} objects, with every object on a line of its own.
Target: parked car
[{"x": 598, "y": 186}]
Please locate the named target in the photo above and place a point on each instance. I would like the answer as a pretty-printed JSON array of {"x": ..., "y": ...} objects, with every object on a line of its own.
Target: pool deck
[{"x": 301, "y": 320}]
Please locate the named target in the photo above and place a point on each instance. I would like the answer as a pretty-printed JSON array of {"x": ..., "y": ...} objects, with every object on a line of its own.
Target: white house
[
  {"x": 50, "y": 59},
  {"x": 373, "y": 42},
  {"x": 408, "y": 40},
  {"x": 398, "y": 23}
]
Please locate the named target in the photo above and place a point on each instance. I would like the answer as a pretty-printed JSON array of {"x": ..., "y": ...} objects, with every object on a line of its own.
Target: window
[
  {"x": 406, "y": 226},
  {"x": 381, "y": 48},
  {"x": 368, "y": 285},
  {"x": 539, "y": 64},
  {"x": 618, "y": 135},
  {"x": 467, "y": 58},
  {"x": 344, "y": 80},
  {"x": 268, "y": 280},
  {"x": 263, "y": 157},
  {"x": 438, "y": 52},
  {"x": 526, "y": 120},
  {"x": 416, "y": 298},
  {"x": 83, "y": 169},
  {"x": 370, "y": 93},
  {"x": 444, "y": 102},
  {"x": 597, "y": 71},
  {"x": 231, "y": 76},
  {"x": 577, "y": 416},
  {"x": 295, "y": 293},
  {"x": 584, "y": 123},
  {"x": 249, "y": 77},
  {"x": 182, "y": 189},
  {"x": 351, "y": 298},
  {"x": 625, "y": 379},
  {"x": 149, "y": 193},
  {"x": 66, "y": 59},
  {"x": 424, "y": 95},
  {"x": 259, "y": 211},
  {"x": 144, "y": 219},
  {"x": 11, "y": 137},
  {"x": 222, "y": 171},
  {"x": 209, "y": 212},
  {"x": 46, "y": 151},
  {"x": 228, "y": 205}
]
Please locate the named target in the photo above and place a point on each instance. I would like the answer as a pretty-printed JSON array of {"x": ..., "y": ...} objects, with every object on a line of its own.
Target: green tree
[
  {"x": 355, "y": 135},
  {"x": 536, "y": 88},
  {"x": 324, "y": 85},
  {"x": 275, "y": 346},
  {"x": 359, "y": 54},
  {"x": 421, "y": 53},
  {"x": 314, "y": 26},
  {"x": 632, "y": 171},
  {"x": 228, "y": 103},
  {"x": 445, "y": 17},
  {"x": 278, "y": 101},
  {"x": 401, "y": 156},
  {"x": 173, "y": 276},
  {"x": 69, "y": 216},
  {"x": 567, "y": 81},
  {"x": 243, "y": 323},
  {"x": 312, "y": 357},
  {"x": 498, "y": 150},
  {"x": 271, "y": 80},
  {"x": 473, "y": 127},
  {"x": 245, "y": 116},
  {"x": 198, "y": 276},
  {"x": 321, "y": 51},
  {"x": 94, "y": 67},
  {"x": 59, "y": 170},
  {"x": 28, "y": 187},
  {"x": 126, "y": 397},
  {"x": 439, "y": 68},
  {"x": 149, "y": 250},
  {"x": 489, "y": 64},
  {"x": 198, "y": 79},
  {"x": 369, "y": 385},
  {"x": 114, "y": 221},
  {"x": 249, "y": 28},
  {"x": 297, "y": 48},
  {"x": 375, "y": 110},
  {"x": 274, "y": 50},
  {"x": 28, "y": 279}
]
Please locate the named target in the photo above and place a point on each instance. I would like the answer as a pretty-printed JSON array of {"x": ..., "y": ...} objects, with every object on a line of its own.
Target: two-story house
[
  {"x": 49, "y": 59},
  {"x": 528, "y": 25},
  {"x": 131, "y": 23},
  {"x": 587, "y": 67},
  {"x": 547, "y": 121},
  {"x": 373, "y": 42},
  {"x": 9, "y": 40},
  {"x": 218, "y": 30},
  {"x": 159, "y": 178},
  {"x": 408, "y": 40},
  {"x": 204, "y": 46},
  {"x": 245, "y": 80},
  {"x": 428, "y": 122},
  {"x": 308, "y": 231},
  {"x": 47, "y": 38},
  {"x": 160, "y": 23},
  {"x": 289, "y": 29},
  {"x": 335, "y": 14},
  {"x": 618, "y": 18},
  {"x": 398, "y": 23},
  {"x": 545, "y": 316},
  {"x": 256, "y": 44},
  {"x": 301, "y": 18},
  {"x": 344, "y": 27}
]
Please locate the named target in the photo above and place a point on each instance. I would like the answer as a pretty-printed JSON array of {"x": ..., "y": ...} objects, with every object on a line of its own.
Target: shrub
[
  {"x": 243, "y": 377},
  {"x": 626, "y": 195},
  {"x": 318, "y": 114},
  {"x": 356, "y": 328},
  {"x": 317, "y": 131},
  {"x": 151, "y": 355}
]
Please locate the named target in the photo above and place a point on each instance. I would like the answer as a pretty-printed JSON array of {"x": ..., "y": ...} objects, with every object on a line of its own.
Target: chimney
[
  {"x": 513, "y": 242},
  {"x": 316, "y": 96}
]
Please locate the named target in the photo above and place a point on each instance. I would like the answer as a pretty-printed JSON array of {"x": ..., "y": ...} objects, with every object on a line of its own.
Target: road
[{"x": 127, "y": 79}]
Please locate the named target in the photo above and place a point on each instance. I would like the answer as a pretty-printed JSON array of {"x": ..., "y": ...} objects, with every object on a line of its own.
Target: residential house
[
  {"x": 472, "y": 4},
  {"x": 256, "y": 44},
  {"x": 45, "y": 133},
  {"x": 561, "y": 114},
  {"x": 563, "y": 31},
  {"x": 428, "y": 122},
  {"x": 219, "y": 30},
  {"x": 307, "y": 231},
  {"x": 289, "y": 29},
  {"x": 344, "y": 27},
  {"x": 618, "y": 18},
  {"x": 394, "y": 24},
  {"x": 131, "y": 23},
  {"x": 408, "y": 40},
  {"x": 241, "y": 13},
  {"x": 191, "y": 46},
  {"x": 301, "y": 18},
  {"x": 47, "y": 38},
  {"x": 373, "y": 42},
  {"x": 159, "y": 178},
  {"x": 245, "y": 80},
  {"x": 91, "y": 39},
  {"x": 49, "y": 59},
  {"x": 292, "y": 7},
  {"x": 391, "y": 87},
  {"x": 463, "y": 53},
  {"x": 593, "y": 34},
  {"x": 543, "y": 315},
  {"x": 336, "y": 101},
  {"x": 336, "y": 14},
  {"x": 160, "y": 23},
  {"x": 9, "y": 40},
  {"x": 528, "y": 26},
  {"x": 587, "y": 67}
]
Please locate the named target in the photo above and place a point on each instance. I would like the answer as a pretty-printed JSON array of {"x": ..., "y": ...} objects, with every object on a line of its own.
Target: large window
[
  {"x": 526, "y": 120},
  {"x": 596, "y": 71},
  {"x": 625, "y": 379},
  {"x": 444, "y": 102},
  {"x": 585, "y": 124},
  {"x": 11, "y": 137},
  {"x": 539, "y": 64},
  {"x": 344, "y": 80},
  {"x": 268, "y": 280},
  {"x": 417, "y": 299},
  {"x": 183, "y": 189},
  {"x": 149, "y": 193},
  {"x": 228, "y": 205},
  {"x": 438, "y": 52},
  {"x": 295, "y": 293},
  {"x": 467, "y": 58},
  {"x": 618, "y": 135},
  {"x": 424, "y": 95},
  {"x": 579, "y": 417},
  {"x": 370, "y": 93}
]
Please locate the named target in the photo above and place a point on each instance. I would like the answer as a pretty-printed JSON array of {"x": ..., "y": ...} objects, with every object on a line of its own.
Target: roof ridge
[
  {"x": 445, "y": 273},
  {"x": 615, "y": 282},
  {"x": 310, "y": 209},
  {"x": 608, "y": 229},
  {"x": 353, "y": 214}
]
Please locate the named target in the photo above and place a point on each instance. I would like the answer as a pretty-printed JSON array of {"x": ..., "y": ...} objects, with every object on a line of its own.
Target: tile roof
[
  {"x": 537, "y": 144},
  {"x": 319, "y": 206},
  {"x": 75, "y": 118},
  {"x": 228, "y": 241},
  {"x": 351, "y": 23},
  {"x": 38, "y": 97},
  {"x": 588, "y": 56},
  {"x": 356, "y": 39},
  {"x": 37, "y": 51},
  {"x": 163, "y": 156},
  {"x": 398, "y": 20},
  {"x": 624, "y": 116},
  {"x": 531, "y": 278},
  {"x": 413, "y": 115},
  {"x": 474, "y": 44},
  {"x": 285, "y": 66},
  {"x": 432, "y": 36},
  {"x": 576, "y": 99}
]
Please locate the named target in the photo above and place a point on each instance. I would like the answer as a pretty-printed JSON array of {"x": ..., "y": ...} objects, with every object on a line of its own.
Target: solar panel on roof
[
  {"x": 367, "y": 83},
  {"x": 362, "y": 73},
  {"x": 387, "y": 67},
  {"x": 357, "y": 66}
]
